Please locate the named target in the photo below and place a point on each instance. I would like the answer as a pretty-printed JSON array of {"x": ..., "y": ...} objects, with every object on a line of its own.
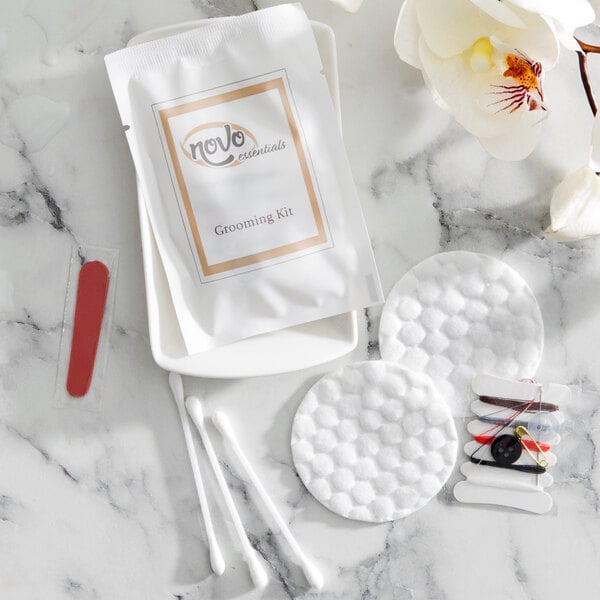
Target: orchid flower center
[
  {"x": 524, "y": 86},
  {"x": 524, "y": 71},
  {"x": 481, "y": 55}
]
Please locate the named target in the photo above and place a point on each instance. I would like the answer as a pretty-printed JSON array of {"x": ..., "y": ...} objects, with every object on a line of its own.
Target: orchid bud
[{"x": 575, "y": 207}]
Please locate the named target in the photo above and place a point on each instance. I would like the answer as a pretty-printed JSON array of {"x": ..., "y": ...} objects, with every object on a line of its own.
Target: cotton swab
[
  {"x": 311, "y": 573},
  {"x": 216, "y": 557},
  {"x": 257, "y": 572}
]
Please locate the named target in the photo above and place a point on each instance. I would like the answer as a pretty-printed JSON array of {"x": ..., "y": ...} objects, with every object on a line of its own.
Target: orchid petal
[
  {"x": 452, "y": 26},
  {"x": 538, "y": 40},
  {"x": 518, "y": 142},
  {"x": 435, "y": 94},
  {"x": 500, "y": 11},
  {"x": 349, "y": 5},
  {"x": 565, "y": 36},
  {"x": 407, "y": 34},
  {"x": 571, "y": 14}
]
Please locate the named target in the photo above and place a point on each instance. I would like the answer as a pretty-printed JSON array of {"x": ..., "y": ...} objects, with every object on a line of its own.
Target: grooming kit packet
[{"x": 244, "y": 175}]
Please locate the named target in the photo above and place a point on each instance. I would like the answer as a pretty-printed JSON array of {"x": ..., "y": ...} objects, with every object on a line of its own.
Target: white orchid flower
[
  {"x": 575, "y": 204},
  {"x": 349, "y": 5},
  {"x": 485, "y": 61}
]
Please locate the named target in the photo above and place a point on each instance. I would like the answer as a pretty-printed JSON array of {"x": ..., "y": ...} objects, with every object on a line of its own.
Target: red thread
[{"x": 530, "y": 444}]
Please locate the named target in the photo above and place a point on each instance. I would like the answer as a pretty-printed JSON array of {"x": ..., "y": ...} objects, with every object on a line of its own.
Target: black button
[{"x": 506, "y": 449}]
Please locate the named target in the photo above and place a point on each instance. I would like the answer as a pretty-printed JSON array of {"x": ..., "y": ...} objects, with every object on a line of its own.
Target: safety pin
[{"x": 520, "y": 433}]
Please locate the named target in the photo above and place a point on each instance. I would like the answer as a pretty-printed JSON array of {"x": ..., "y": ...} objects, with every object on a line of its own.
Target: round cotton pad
[
  {"x": 373, "y": 442},
  {"x": 461, "y": 313}
]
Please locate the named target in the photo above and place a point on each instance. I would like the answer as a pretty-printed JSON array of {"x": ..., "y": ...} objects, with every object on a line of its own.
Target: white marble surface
[{"x": 102, "y": 505}]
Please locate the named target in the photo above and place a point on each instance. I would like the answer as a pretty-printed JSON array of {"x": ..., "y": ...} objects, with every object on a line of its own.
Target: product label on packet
[{"x": 242, "y": 176}]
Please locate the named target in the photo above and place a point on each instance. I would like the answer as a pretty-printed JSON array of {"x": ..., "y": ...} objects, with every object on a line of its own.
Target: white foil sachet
[{"x": 245, "y": 178}]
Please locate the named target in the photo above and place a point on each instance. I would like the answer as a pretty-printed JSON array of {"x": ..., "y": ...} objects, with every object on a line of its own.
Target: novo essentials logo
[{"x": 218, "y": 145}]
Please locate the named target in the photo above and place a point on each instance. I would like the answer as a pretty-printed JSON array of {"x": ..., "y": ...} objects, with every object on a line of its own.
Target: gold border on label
[{"x": 275, "y": 84}]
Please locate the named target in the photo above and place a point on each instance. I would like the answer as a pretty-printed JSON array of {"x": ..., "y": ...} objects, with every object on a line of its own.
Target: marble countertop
[{"x": 102, "y": 505}]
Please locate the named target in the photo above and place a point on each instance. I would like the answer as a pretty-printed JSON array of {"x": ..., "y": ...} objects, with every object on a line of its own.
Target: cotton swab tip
[
  {"x": 312, "y": 574},
  {"x": 222, "y": 423},
  {"x": 194, "y": 408},
  {"x": 217, "y": 562},
  {"x": 257, "y": 572}
]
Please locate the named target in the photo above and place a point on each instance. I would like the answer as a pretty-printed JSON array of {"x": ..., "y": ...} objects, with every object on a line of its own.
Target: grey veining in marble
[{"x": 101, "y": 505}]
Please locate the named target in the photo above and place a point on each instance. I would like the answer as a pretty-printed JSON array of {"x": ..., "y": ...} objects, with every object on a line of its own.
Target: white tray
[{"x": 277, "y": 352}]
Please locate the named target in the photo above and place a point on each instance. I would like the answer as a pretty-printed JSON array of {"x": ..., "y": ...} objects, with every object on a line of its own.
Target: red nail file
[{"x": 92, "y": 290}]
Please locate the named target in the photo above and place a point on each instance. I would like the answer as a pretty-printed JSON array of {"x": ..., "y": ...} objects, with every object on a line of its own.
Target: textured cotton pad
[
  {"x": 457, "y": 314},
  {"x": 373, "y": 442}
]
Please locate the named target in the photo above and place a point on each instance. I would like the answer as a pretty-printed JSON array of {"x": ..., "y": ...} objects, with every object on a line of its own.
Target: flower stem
[
  {"x": 585, "y": 78},
  {"x": 588, "y": 47}
]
